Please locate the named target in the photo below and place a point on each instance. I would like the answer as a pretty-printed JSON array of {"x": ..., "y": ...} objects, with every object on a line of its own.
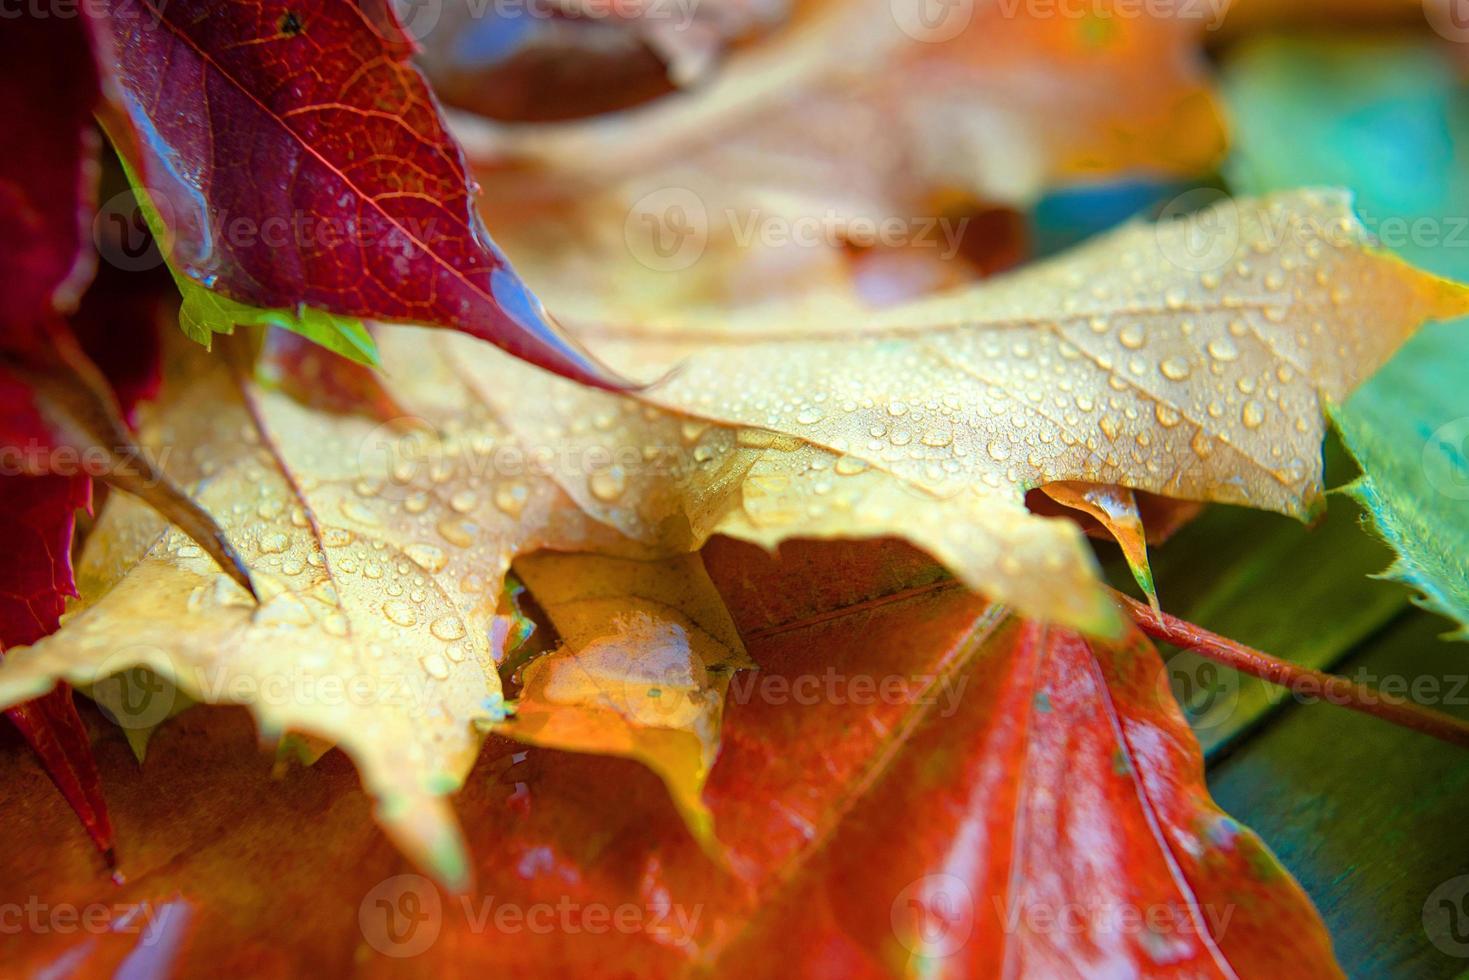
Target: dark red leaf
[
  {"x": 47, "y": 180},
  {"x": 37, "y": 519},
  {"x": 300, "y": 160},
  {"x": 48, "y": 170}
]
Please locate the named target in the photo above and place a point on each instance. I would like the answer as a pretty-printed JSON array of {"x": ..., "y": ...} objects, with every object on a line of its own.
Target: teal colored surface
[{"x": 1390, "y": 120}]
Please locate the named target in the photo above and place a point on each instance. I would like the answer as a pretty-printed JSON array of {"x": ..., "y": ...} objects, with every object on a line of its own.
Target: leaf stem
[{"x": 1301, "y": 681}]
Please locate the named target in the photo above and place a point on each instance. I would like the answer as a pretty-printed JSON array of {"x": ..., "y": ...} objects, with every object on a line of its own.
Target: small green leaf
[
  {"x": 205, "y": 313},
  {"x": 1409, "y": 430}
]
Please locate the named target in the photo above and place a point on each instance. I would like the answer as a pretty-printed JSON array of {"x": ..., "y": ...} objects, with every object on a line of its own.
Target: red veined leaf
[
  {"x": 47, "y": 181},
  {"x": 37, "y": 518},
  {"x": 48, "y": 177},
  {"x": 1042, "y": 812},
  {"x": 322, "y": 174}
]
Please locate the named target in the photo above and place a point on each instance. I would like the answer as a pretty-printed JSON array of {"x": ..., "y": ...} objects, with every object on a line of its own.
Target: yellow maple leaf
[{"x": 1191, "y": 359}]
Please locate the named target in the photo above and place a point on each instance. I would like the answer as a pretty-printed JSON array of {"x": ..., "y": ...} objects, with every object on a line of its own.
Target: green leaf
[
  {"x": 1390, "y": 120},
  {"x": 205, "y": 313},
  {"x": 1409, "y": 429}
]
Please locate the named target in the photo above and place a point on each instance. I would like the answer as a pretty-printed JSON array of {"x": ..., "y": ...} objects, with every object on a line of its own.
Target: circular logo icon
[
  {"x": 1446, "y": 459},
  {"x": 1199, "y": 230},
  {"x": 121, "y": 233},
  {"x": 418, "y": 18},
  {"x": 933, "y": 916},
  {"x": 401, "y": 916},
  {"x": 667, "y": 230},
  {"x": 1448, "y": 18},
  {"x": 1206, "y": 691},
  {"x": 932, "y": 21},
  {"x": 132, "y": 694},
  {"x": 1446, "y": 917}
]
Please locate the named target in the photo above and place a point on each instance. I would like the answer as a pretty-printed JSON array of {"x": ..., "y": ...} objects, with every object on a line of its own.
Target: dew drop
[
  {"x": 1252, "y": 415},
  {"x": 608, "y": 484},
  {"x": 435, "y": 666},
  {"x": 273, "y": 543},
  {"x": 1175, "y": 368},
  {"x": 428, "y": 557},
  {"x": 400, "y": 612},
  {"x": 458, "y": 532},
  {"x": 510, "y": 498},
  {"x": 1223, "y": 349},
  {"x": 809, "y": 415},
  {"x": 335, "y": 537},
  {"x": 447, "y": 627}
]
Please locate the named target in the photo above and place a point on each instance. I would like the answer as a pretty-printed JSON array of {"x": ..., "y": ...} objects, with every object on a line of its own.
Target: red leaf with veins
[
  {"x": 48, "y": 171},
  {"x": 37, "y": 518},
  {"x": 301, "y": 160},
  {"x": 47, "y": 179},
  {"x": 1039, "y": 811}
]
